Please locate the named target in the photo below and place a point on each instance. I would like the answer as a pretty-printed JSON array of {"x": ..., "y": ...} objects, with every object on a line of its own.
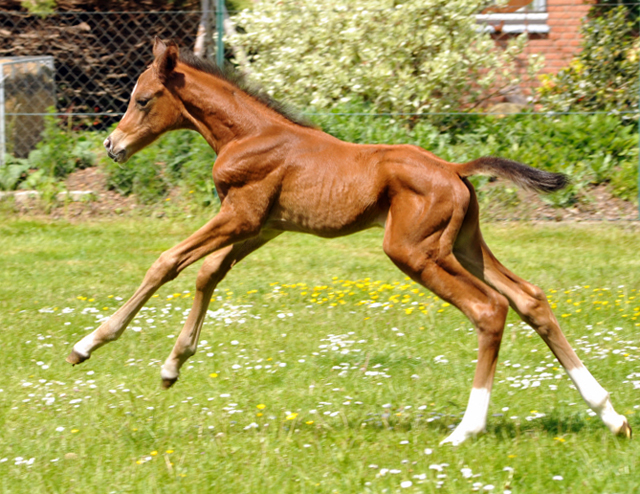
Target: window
[{"x": 517, "y": 16}]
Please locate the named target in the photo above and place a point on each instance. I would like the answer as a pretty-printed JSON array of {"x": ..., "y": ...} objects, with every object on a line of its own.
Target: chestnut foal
[{"x": 274, "y": 174}]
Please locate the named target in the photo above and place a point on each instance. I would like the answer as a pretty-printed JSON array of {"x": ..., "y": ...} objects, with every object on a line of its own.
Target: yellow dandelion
[
  {"x": 153, "y": 453},
  {"x": 213, "y": 374},
  {"x": 292, "y": 416},
  {"x": 309, "y": 422},
  {"x": 261, "y": 406}
]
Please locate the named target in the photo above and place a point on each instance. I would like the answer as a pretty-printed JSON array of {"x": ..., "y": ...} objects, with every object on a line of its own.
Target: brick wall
[{"x": 563, "y": 40}]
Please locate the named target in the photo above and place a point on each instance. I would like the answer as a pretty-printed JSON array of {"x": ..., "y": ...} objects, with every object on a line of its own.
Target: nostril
[{"x": 107, "y": 143}]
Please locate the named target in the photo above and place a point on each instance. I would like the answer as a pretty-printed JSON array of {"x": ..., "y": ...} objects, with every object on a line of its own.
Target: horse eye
[{"x": 142, "y": 102}]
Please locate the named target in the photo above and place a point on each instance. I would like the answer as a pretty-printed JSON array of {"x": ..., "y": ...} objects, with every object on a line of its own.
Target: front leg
[
  {"x": 224, "y": 229},
  {"x": 211, "y": 273}
]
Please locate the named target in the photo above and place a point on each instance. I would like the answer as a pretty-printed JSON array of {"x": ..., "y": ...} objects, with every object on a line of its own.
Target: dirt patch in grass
[
  {"x": 599, "y": 204},
  {"x": 105, "y": 202}
]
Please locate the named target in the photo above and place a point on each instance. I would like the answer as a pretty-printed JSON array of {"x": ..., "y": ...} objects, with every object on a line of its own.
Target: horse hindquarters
[
  {"x": 419, "y": 237},
  {"x": 532, "y": 306}
]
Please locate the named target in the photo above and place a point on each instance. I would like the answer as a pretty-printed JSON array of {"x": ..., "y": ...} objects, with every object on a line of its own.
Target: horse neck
[{"x": 220, "y": 111}]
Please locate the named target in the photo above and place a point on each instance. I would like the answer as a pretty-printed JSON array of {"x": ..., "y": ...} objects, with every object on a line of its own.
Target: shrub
[
  {"x": 61, "y": 151},
  {"x": 417, "y": 57},
  {"x": 12, "y": 172},
  {"x": 604, "y": 75}
]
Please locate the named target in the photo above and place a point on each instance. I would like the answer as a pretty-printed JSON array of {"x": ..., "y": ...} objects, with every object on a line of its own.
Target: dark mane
[{"x": 234, "y": 77}]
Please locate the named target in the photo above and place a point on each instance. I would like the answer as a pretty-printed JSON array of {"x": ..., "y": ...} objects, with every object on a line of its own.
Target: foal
[{"x": 274, "y": 174}]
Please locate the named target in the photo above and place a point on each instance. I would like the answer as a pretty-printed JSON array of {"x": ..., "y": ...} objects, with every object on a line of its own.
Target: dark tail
[{"x": 522, "y": 175}]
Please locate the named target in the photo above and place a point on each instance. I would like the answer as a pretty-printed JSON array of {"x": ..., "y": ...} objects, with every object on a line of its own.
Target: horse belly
[{"x": 340, "y": 211}]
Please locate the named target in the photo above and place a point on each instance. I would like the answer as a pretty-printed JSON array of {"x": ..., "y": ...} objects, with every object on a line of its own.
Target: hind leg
[
  {"x": 531, "y": 304},
  {"x": 419, "y": 241}
]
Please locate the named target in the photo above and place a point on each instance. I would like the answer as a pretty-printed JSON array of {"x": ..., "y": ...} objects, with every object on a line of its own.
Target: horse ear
[{"x": 166, "y": 58}]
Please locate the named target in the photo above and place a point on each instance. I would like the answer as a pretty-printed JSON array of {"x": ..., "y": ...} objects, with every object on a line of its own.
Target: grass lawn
[{"x": 321, "y": 368}]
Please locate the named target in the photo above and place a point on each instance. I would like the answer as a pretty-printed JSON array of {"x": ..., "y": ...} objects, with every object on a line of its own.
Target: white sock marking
[
  {"x": 168, "y": 370},
  {"x": 596, "y": 397},
  {"x": 85, "y": 346},
  {"x": 474, "y": 420}
]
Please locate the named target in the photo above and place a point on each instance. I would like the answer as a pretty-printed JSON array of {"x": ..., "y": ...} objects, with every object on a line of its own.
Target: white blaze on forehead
[{"x": 132, "y": 93}]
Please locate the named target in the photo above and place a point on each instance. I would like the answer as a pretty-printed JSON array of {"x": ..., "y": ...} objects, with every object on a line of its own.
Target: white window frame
[{"x": 531, "y": 19}]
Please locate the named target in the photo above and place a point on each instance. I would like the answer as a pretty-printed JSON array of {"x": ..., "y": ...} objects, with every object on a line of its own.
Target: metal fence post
[
  {"x": 3, "y": 149},
  {"x": 220, "y": 31}
]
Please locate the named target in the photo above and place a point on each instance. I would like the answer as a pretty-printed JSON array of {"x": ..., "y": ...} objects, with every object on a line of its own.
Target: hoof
[
  {"x": 455, "y": 439},
  {"x": 625, "y": 430},
  {"x": 76, "y": 358},
  {"x": 167, "y": 383}
]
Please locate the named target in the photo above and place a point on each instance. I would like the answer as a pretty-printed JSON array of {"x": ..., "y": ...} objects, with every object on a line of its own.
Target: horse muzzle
[{"x": 116, "y": 153}]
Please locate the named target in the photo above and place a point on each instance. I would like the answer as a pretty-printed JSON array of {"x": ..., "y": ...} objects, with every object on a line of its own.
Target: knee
[
  {"x": 535, "y": 309},
  {"x": 164, "y": 269},
  {"x": 535, "y": 301},
  {"x": 207, "y": 275},
  {"x": 214, "y": 268},
  {"x": 492, "y": 316}
]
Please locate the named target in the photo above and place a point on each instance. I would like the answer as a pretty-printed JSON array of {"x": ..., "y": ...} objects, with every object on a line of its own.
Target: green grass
[{"x": 106, "y": 426}]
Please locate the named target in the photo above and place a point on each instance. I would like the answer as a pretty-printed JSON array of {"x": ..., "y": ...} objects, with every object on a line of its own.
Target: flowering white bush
[{"x": 419, "y": 56}]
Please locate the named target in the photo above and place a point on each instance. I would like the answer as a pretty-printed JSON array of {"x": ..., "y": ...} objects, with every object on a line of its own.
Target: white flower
[{"x": 406, "y": 483}]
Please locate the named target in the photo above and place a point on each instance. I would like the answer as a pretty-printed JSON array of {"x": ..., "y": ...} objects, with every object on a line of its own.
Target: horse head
[{"x": 153, "y": 109}]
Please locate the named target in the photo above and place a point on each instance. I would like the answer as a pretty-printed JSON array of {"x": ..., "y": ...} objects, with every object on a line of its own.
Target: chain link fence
[{"x": 97, "y": 55}]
